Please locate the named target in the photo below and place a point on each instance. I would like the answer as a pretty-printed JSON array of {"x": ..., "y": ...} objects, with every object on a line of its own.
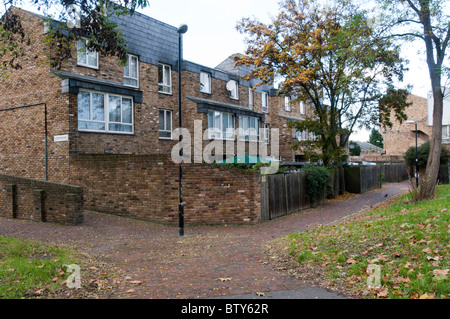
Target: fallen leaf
[
  {"x": 224, "y": 279},
  {"x": 440, "y": 273},
  {"x": 427, "y": 296},
  {"x": 260, "y": 294},
  {"x": 136, "y": 282},
  {"x": 351, "y": 261}
]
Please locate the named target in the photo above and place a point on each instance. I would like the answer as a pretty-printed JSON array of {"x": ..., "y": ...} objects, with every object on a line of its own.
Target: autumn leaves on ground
[{"x": 397, "y": 250}]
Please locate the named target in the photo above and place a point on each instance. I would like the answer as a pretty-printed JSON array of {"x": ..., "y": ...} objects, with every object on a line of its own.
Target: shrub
[
  {"x": 422, "y": 155},
  {"x": 316, "y": 181}
]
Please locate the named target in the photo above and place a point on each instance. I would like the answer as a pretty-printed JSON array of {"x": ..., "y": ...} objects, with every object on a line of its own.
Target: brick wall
[
  {"x": 37, "y": 200},
  {"x": 146, "y": 187},
  {"x": 400, "y": 137}
]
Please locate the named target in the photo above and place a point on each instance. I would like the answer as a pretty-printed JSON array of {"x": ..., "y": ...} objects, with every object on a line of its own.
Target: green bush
[
  {"x": 422, "y": 155},
  {"x": 316, "y": 181}
]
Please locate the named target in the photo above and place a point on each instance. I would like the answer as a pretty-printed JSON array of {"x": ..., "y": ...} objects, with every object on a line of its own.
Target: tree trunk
[{"x": 429, "y": 181}]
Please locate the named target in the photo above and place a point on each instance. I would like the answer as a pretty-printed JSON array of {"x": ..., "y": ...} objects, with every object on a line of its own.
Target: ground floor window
[
  {"x": 248, "y": 128},
  {"x": 104, "y": 112}
]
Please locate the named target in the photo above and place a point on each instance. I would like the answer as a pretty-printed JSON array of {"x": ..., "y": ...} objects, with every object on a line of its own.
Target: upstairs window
[
  {"x": 164, "y": 79},
  {"x": 233, "y": 87},
  {"x": 104, "y": 112},
  {"x": 165, "y": 124},
  {"x": 302, "y": 107},
  {"x": 85, "y": 57},
  {"x": 265, "y": 102},
  {"x": 205, "y": 82},
  {"x": 131, "y": 71},
  {"x": 250, "y": 98},
  {"x": 287, "y": 103}
]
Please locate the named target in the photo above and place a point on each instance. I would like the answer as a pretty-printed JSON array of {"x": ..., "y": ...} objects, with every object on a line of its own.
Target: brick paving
[{"x": 209, "y": 261}]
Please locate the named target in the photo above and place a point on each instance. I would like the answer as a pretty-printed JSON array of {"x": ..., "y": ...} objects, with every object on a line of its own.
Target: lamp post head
[
  {"x": 410, "y": 122},
  {"x": 182, "y": 29}
]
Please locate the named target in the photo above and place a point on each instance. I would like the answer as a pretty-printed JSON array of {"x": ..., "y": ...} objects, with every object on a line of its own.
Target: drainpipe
[{"x": 45, "y": 130}]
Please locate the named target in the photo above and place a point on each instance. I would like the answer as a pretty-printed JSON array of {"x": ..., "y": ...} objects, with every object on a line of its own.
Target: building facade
[
  {"x": 111, "y": 128},
  {"x": 402, "y": 136}
]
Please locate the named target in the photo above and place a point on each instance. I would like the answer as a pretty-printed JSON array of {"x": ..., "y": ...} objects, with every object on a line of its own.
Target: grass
[
  {"x": 400, "y": 250},
  {"x": 30, "y": 269}
]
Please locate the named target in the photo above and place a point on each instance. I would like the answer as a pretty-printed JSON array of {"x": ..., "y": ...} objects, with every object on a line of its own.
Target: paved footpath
[{"x": 209, "y": 261}]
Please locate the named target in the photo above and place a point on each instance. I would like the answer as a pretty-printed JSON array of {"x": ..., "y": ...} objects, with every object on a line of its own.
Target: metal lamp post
[
  {"x": 417, "y": 158},
  {"x": 181, "y": 30}
]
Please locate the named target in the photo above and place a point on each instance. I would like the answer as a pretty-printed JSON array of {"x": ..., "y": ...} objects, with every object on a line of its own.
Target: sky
[{"x": 212, "y": 34}]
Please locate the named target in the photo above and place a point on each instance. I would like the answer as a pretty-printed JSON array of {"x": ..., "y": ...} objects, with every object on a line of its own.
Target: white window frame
[
  {"x": 167, "y": 78},
  {"x": 128, "y": 76},
  {"x": 287, "y": 103},
  {"x": 87, "y": 54},
  {"x": 446, "y": 135},
  {"x": 265, "y": 102},
  {"x": 165, "y": 130},
  {"x": 266, "y": 133},
  {"x": 218, "y": 133},
  {"x": 234, "y": 92},
  {"x": 301, "y": 135},
  {"x": 250, "y": 98},
  {"x": 245, "y": 131},
  {"x": 106, "y": 119},
  {"x": 205, "y": 82},
  {"x": 302, "y": 107}
]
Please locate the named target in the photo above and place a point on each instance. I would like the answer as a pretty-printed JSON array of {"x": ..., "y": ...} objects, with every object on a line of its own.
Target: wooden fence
[{"x": 283, "y": 194}]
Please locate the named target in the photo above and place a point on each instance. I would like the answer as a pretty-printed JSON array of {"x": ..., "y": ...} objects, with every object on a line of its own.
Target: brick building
[
  {"x": 400, "y": 137},
  {"x": 110, "y": 128}
]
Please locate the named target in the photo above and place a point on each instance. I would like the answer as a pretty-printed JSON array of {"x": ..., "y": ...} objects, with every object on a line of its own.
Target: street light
[
  {"x": 417, "y": 158},
  {"x": 181, "y": 30}
]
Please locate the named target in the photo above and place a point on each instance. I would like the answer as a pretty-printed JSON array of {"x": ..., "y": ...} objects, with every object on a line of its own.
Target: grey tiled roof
[{"x": 152, "y": 40}]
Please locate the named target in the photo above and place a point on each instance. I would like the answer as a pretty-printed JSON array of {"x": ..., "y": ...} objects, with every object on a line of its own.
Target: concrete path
[{"x": 209, "y": 261}]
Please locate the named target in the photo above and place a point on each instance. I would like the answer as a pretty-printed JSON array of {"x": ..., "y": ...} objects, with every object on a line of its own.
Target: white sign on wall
[{"x": 61, "y": 138}]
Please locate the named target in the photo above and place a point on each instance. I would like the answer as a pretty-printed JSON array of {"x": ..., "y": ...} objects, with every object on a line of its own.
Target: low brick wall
[
  {"x": 147, "y": 187},
  {"x": 38, "y": 200}
]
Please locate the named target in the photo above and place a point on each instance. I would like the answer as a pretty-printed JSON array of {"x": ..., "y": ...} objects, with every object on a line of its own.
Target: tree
[
  {"x": 94, "y": 23},
  {"x": 331, "y": 58},
  {"x": 376, "y": 138},
  {"x": 426, "y": 21},
  {"x": 355, "y": 149}
]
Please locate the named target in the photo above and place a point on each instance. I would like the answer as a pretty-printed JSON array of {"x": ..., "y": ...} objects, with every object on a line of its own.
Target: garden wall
[{"x": 38, "y": 200}]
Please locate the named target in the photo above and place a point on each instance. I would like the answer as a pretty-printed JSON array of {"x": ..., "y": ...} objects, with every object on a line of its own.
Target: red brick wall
[{"x": 146, "y": 187}]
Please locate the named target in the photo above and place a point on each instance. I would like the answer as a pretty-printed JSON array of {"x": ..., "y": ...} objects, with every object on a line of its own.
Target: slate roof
[{"x": 366, "y": 146}]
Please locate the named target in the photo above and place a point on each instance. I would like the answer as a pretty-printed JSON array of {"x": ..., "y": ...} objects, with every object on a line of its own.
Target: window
[
  {"x": 301, "y": 135},
  {"x": 248, "y": 128},
  {"x": 446, "y": 133},
  {"x": 84, "y": 57},
  {"x": 164, "y": 79},
  {"x": 233, "y": 87},
  {"x": 205, "y": 82},
  {"x": 302, "y": 107},
  {"x": 165, "y": 124},
  {"x": 220, "y": 125},
  {"x": 265, "y": 102},
  {"x": 104, "y": 112},
  {"x": 131, "y": 71},
  {"x": 266, "y": 133},
  {"x": 287, "y": 103},
  {"x": 250, "y": 98}
]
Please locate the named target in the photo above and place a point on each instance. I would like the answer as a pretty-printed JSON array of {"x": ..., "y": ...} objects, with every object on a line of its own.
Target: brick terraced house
[
  {"x": 400, "y": 137},
  {"x": 109, "y": 128}
]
